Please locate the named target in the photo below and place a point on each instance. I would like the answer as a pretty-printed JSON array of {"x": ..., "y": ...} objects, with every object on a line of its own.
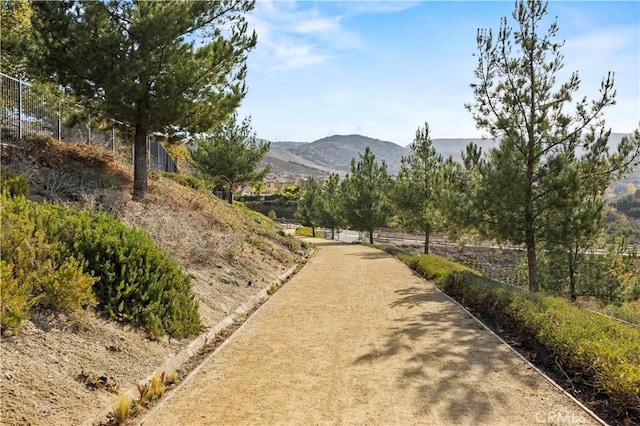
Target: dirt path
[{"x": 356, "y": 338}]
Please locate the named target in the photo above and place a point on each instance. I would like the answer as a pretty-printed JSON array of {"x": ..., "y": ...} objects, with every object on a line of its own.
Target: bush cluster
[
  {"x": 14, "y": 184},
  {"x": 595, "y": 345},
  {"x": 304, "y": 231},
  {"x": 189, "y": 181},
  {"x": 434, "y": 267},
  {"x": 66, "y": 260}
]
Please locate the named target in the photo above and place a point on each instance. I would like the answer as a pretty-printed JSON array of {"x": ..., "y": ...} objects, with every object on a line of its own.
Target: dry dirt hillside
[{"x": 54, "y": 372}]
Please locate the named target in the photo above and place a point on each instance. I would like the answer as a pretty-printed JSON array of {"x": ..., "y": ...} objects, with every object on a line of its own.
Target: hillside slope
[
  {"x": 230, "y": 254},
  {"x": 333, "y": 154}
]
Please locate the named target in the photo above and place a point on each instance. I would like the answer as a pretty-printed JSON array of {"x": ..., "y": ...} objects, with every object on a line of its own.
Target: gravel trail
[{"x": 356, "y": 338}]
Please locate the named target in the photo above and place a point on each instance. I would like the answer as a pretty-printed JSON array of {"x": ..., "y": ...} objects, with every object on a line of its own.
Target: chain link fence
[{"x": 28, "y": 111}]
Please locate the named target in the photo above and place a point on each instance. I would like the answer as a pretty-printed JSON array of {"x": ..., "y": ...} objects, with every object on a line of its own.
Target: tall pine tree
[
  {"x": 364, "y": 194},
  {"x": 154, "y": 65},
  {"x": 414, "y": 192},
  {"x": 230, "y": 156},
  {"x": 519, "y": 101},
  {"x": 331, "y": 211}
]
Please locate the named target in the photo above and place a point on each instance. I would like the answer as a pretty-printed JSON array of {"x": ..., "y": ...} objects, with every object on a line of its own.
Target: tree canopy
[
  {"x": 414, "y": 192},
  {"x": 363, "y": 192},
  {"x": 153, "y": 65},
  {"x": 230, "y": 156},
  {"x": 519, "y": 102}
]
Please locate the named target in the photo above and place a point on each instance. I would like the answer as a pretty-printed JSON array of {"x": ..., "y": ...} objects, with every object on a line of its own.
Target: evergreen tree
[
  {"x": 413, "y": 194},
  {"x": 152, "y": 65},
  {"x": 575, "y": 216},
  {"x": 365, "y": 204},
  {"x": 331, "y": 213},
  {"x": 15, "y": 37},
  {"x": 230, "y": 156},
  {"x": 309, "y": 205},
  {"x": 519, "y": 102}
]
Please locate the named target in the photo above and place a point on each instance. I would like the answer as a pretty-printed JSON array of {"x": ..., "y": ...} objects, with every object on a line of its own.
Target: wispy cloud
[
  {"x": 296, "y": 35},
  {"x": 604, "y": 41},
  {"x": 373, "y": 6}
]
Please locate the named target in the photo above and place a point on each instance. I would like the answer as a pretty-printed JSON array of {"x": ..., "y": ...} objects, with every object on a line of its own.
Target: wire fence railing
[{"x": 29, "y": 111}]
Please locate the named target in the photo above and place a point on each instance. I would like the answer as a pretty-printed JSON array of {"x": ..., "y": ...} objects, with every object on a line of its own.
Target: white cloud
[
  {"x": 293, "y": 35},
  {"x": 318, "y": 26},
  {"x": 605, "y": 41},
  {"x": 290, "y": 54},
  {"x": 364, "y": 7}
]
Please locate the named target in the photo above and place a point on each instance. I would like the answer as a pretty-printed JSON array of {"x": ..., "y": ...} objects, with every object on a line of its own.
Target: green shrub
[
  {"x": 189, "y": 181},
  {"x": 68, "y": 288},
  {"x": 434, "y": 267},
  {"x": 14, "y": 184},
  {"x": 597, "y": 346},
  {"x": 304, "y": 231},
  {"x": 47, "y": 247},
  {"x": 15, "y": 298},
  {"x": 629, "y": 311},
  {"x": 138, "y": 282},
  {"x": 272, "y": 214}
]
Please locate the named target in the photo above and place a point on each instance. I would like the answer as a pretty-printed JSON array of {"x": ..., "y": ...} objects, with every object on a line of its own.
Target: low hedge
[
  {"x": 434, "y": 267},
  {"x": 306, "y": 231},
  {"x": 595, "y": 345}
]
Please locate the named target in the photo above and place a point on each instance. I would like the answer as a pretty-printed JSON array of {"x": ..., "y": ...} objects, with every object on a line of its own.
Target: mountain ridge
[{"x": 333, "y": 154}]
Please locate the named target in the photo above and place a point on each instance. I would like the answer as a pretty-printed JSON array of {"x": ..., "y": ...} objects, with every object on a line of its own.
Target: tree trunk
[
  {"x": 313, "y": 231},
  {"x": 371, "y": 237},
  {"x": 140, "y": 163},
  {"x": 230, "y": 196},
  {"x": 426, "y": 242},
  {"x": 533, "y": 267},
  {"x": 572, "y": 275},
  {"x": 333, "y": 233}
]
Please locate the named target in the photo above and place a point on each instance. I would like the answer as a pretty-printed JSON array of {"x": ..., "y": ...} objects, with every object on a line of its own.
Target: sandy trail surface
[{"x": 356, "y": 338}]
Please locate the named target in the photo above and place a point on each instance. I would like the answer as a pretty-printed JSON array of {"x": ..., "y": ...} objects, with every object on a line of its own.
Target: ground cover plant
[
  {"x": 596, "y": 357},
  {"x": 58, "y": 258}
]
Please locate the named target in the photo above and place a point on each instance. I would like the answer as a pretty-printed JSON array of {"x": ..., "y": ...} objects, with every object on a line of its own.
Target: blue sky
[{"x": 382, "y": 69}]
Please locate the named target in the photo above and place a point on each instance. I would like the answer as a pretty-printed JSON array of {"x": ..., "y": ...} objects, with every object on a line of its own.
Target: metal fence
[{"x": 28, "y": 112}]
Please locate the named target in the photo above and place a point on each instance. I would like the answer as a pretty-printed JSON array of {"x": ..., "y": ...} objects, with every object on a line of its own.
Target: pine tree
[
  {"x": 365, "y": 204},
  {"x": 16, "y": 37},
  {"x": 575, "y": 216},
  {"x": 413, "y": 194},
  {"x": 519, "y": 102},
  {"x": 331, "y": 213},
  {"x": 153, "y": 65},
  {"x": 230, "y": 156},
  {"x": 308, "y": 206}
]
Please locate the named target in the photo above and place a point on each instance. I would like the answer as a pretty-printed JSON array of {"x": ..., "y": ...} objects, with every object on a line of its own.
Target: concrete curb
[{"x": 174, "y": 362}]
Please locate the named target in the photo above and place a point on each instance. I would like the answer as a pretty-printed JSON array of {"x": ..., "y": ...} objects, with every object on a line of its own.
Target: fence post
[
  {"x": 59, "y": 121},
  {"x": 89, "y": 130},
  {"x": 19, "y": 109},
  {"x": 113, "y": 135}
]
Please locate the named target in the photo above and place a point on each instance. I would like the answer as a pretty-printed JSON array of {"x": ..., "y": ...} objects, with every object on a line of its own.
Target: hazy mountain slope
[{"x": 334, "y": 153}]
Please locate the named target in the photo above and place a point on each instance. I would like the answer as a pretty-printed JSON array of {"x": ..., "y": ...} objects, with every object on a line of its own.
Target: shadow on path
[{"x": 456, "y": 373}]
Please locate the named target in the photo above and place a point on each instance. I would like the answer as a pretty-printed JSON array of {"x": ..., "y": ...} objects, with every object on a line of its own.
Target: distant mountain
[{"x": 333, "y": 154}]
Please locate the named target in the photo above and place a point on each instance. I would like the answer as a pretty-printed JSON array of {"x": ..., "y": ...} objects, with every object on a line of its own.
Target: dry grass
[
  {"x": 122, "y": 409},
  {"x": 194, "y": 228}
]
